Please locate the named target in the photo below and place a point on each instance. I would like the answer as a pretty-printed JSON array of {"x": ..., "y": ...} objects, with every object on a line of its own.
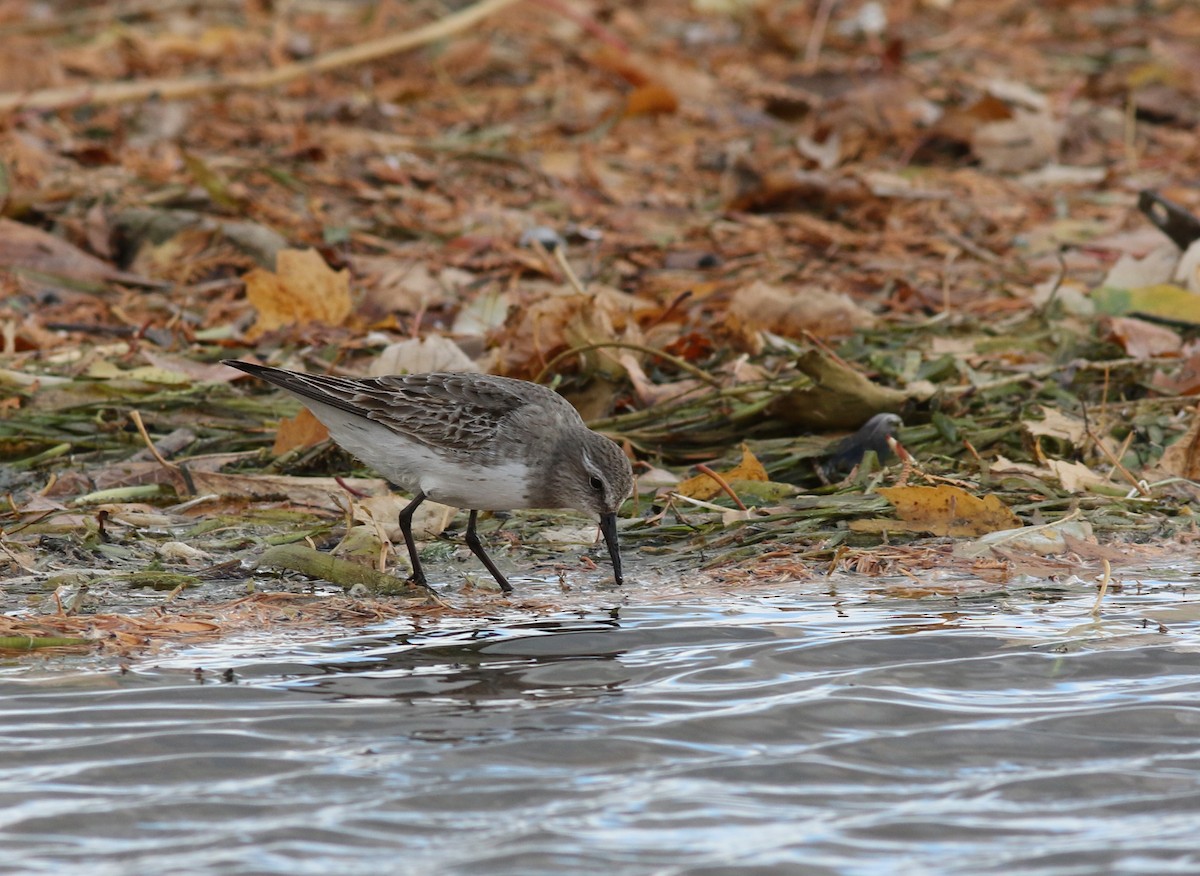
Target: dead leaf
[
  {"x": 1144, "y": 340},
  {"x": 1056, "y": 424},
  {"x": 793, "y": 311},
  {"x": 302, "y": 430},
  {"x": 200, "y": 372},
  {"x": 176, "y": 259},
  {"x": 561, "y": 321},
  {"x": 1075, "y": 477},
  {"x": 1132, "y": 271},
  {"x": 651, "y": 99},
  {"x": 1001, "y": 465},
  {"x": 429, "y": 521},
  {"x": 302, "y": 289},
  {"x": 751, "y": 190},
  {"x": 1045, "y": 540},
  {"x": 1164, "y": 301},
  {"x": 1089, "y": 549},
  {"x": 103, "y": 369},
  {"x": 650, "y": 393},
  {"x": 23, "y": 246},
  {"x": 420, "y": 356},
  {"x": 960, "y": 123},
  {"x": 840, "y": 397},
  {"x": 394, "y": 285},
  {"x": 308, "y": 492},
  {"x": 949, "y": 510},
  {"x": 704, "y": 486},
  {"x": 1185, "y": 380},
  {"x": 1182, "y": 459},
  {"x": 1027, "y": 140}
]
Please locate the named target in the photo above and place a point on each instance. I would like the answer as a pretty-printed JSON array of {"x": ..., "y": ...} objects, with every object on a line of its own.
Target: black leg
[
  {"x": 476, "y": 547},
  {"x": 406, "y": 516}
]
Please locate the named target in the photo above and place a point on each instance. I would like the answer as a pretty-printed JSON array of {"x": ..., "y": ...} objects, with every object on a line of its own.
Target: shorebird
[{"x": 474, "y": 441}]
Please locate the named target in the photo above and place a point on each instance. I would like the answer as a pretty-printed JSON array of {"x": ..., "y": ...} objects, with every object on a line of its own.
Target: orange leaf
[
  {"x": 302, "y": 289},
  {"x": 651, "y": 99},
  {"x": 302, "y": 430},
  {"x": 704, "y": 487}
]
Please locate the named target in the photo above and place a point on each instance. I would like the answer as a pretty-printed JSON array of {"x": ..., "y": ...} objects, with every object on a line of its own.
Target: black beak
[{"x": 608, "y": 526}]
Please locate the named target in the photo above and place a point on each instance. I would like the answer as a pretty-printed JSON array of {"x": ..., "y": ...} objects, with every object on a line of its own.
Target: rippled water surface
[{"x": 786, "y": 731}]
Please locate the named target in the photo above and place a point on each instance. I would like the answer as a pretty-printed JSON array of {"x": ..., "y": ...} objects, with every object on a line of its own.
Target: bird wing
[{"x": 447, "y": 411}]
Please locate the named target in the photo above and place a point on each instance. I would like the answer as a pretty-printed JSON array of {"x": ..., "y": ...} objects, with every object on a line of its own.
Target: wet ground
[{"x": 805, "y": 727}]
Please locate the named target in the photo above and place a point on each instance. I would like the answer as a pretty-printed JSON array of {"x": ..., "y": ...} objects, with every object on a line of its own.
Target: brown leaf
[
  {"x": 1025, "y": 141},
  {"x": 302, "y": 289},
  {"x": 1182, "y": 459},
  {"x": 539, "y": 331},
  {"x": 651, "y": 99},
  {"x": 306, "y": 492},
  {"x": 23, "y": 246},
  {"x": 1185, "y": 380},
  {"x": 792, "y": 311},
  {"x": 840, "y": 397},
  {"x": 959, "y": 124},
  {"x": 302, "y": 430},
  {"x": 1144, "y": 340}
]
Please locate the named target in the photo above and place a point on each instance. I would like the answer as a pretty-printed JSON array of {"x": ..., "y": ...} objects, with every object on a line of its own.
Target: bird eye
[{"x": 596, "y": 483}]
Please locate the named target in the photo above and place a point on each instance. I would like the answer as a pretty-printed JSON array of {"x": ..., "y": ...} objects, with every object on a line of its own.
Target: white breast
[{"x": 414, "y": 466}]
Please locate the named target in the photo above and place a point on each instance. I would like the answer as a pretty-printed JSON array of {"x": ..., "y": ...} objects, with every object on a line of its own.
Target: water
[{"x": 782, "y": 731}]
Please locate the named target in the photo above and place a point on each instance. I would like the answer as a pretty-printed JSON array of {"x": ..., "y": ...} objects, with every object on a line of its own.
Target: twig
[
  {"x": 699, "y": 503},
  {"x": 136, "y": 416},
  {"x": 1121, "y": 451},
  {"x": 722, "y": 483},
  {"x": 1140, "y": 486},
  {"x": 107, "y": 93},
  {"x": 812, "y": 51},
  {"x": 964, "y": 243},
  {"x": 826, "y": 349},
  {"x": 1058, "y": 281},
  {"x": 1103, "y": 588},
  {"x": 572, "y": 278}
]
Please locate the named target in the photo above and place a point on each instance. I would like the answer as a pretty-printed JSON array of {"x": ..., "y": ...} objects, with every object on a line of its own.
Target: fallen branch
[
  {"x": 345, "y": 574},
  {"x": 107, "y": 93}
]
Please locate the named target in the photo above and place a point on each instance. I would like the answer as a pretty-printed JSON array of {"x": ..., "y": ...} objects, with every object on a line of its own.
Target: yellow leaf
[
  {"x": 102, "y": 369},
  {"x": 704, "y": 486},
  {"x": 947, "y": 510},
  {"x": 1162, "y": 300},
  {"x": 302, "y": 289}
]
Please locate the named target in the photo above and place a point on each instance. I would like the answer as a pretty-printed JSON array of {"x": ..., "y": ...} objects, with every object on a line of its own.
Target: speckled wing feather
[
  {"x": 458, "y": 412},
  {"x": 446, "y": 411}
]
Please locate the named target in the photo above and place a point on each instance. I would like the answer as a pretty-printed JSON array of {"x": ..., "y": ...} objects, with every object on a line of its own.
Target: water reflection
[
  {"x": 775, "y": 734},
  {"x": 545, "y": 659}
]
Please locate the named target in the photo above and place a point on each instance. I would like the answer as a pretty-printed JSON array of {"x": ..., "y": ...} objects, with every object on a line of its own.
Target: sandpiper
[{"x": 474, "y": 441}]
